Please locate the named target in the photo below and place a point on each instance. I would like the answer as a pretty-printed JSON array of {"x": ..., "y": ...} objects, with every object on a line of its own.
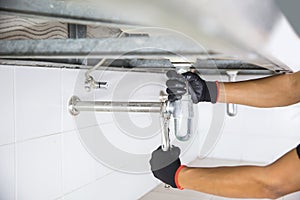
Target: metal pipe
[
  {"x": 76, "y": 105},
  {"x": 232, "y": 108}
]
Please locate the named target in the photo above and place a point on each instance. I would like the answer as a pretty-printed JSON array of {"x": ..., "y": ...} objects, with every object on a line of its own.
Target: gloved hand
[
  {"x": 199, "y": 89},
  {"x": 166, "y": 165}
]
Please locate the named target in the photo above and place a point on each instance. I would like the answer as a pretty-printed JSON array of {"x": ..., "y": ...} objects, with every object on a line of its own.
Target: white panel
[
  {"x": 7, "y": 172},
  {"x": 38, "y": 102},
  {"x": 267, "y": 121},
  {"x": 228, "y": 147},
  {"x": 293, "y": 196},
  {"x": 131, "y": 142},
  {"x": 127, "y": 86},
  {"x": 266, "y": 149},
  {"x": 100, "y": 169},
  {"x": 115, "y": 186},
  {"x": 161, "y": 193},
  {"x": 68, "y": 85},
  {"x": 7, "y": 104},
  {"x": 73, "y": 84},
  {"x": 39, "y": 168},
  {"x": 131, "y": 85},
  {"x": 79, "y": 168}
]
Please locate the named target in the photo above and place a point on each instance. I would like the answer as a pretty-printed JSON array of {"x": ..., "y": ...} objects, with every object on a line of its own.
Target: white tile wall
[
  {"x": 73, "y": 84},
  {"x": 39, "y": 168},
  {"x": 77, "y": 164},
  {"x": 52, "y": 163},
  {"x": 7, "y": 172},
  {"x": 259, "y": 134},
  {"x": 115, "y": 186},
  {"x": 7, "y": 100},
  {"x": 69, "y": 78},
  {"x": 293, "y": 196},
  {"x": 38, "y": 102},
  {"x": 79, "y": 167},
  {"x": 136, "y": 144}
]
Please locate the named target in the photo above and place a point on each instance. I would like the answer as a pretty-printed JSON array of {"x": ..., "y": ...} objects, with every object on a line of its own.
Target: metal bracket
[{"x": 71, "y": 105}]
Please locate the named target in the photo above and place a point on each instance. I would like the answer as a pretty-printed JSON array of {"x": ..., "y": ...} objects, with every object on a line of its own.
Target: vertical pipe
[{"x": 232, "y": 108}]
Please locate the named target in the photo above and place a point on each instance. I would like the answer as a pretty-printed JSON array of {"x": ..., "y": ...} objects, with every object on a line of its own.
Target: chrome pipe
[
  {"x": 232, "y": 108},
  {"x": 76, "y": 105}
]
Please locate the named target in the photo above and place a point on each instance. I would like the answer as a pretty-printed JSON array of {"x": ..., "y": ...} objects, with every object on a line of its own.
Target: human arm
[
  {"x": 272, "y": 181},
  {"x": 274, "y": 91}
]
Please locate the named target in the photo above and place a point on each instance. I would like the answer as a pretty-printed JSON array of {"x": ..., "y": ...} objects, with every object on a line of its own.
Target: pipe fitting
[{"x": 90, "y": 83}]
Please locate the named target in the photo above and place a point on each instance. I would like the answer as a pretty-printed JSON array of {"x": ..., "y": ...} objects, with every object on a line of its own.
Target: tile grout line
[
  {"x": 62, "y": 135},
  {"x": 89, "y": 183},
  {"x": 52, "y": 134},
  {"x": 15, "y": 134}
]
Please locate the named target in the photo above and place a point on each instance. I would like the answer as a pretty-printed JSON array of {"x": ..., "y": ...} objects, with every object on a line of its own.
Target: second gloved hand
[
  {"x": 166, "y": 165},
  {"x": 199, "y": 89}
]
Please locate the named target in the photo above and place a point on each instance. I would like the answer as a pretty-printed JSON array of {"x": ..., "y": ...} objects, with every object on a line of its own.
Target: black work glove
[
  {"x": 165, "y": 165},
  {"x": 199, "y": 89}
]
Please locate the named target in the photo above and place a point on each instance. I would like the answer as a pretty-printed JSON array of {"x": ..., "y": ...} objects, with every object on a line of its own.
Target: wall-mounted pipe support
[{"x": 232, "y": 108}]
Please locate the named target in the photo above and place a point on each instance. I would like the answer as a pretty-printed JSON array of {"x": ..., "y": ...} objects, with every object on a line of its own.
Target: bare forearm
[
  {"x": 234, "y": 182},
  {"x": 275, "y": 91},
  {"x": 271, "y": 181}
]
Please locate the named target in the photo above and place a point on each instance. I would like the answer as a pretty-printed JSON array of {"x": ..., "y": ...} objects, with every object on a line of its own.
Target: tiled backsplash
[
  {"x": 42, "y": 157},
  {"x": 259, "y": 134},
  {"x": 41, "y": 154}
]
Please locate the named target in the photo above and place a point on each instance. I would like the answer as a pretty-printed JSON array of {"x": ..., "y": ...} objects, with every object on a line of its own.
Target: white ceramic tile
[
  {"x": 78, "y": 165},
  {"x": 160, "y": 191},
  {"x": 39, "y": 168},
  {"x": 100, "y": 169},
  {"x": 128, "y": 86},
  {"x": 293, "y": 196},
  {"x": 265, "y": 149},
  {"x": 38, "y": 102},
  {"x": 7, "y": 104},
  {"x": 68, "y": 85},
  {"x": 171, "y": 196},
  {"x": 115, "y": 186},
  {"x": 73, "y": 84},
  {"x": 228, "y": 147},
  {"x": 272, "y": 122},
  {"x": 124, "y": 86},
  {"x": 213, "y": 162},
  {"x": 224, "y": 198},
  {"x": 130, "y": 139},
  {"x": 116, "y": 154},
  {"x": 7, "y": 172}
]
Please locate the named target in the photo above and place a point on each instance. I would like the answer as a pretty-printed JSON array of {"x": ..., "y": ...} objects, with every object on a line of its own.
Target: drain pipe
[
  {"x": 75, "y": 106},
  {"x": 232, "y": 108}
]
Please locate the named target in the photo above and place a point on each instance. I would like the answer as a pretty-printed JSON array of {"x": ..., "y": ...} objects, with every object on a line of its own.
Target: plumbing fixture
[
  {"x": 232, "y": 108},
  {"x": 183, "y": 113},
  {"x": 89, "y": 82},
  {"x": 75, "y": 105},
  {"x": 180, "y": 111}
]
